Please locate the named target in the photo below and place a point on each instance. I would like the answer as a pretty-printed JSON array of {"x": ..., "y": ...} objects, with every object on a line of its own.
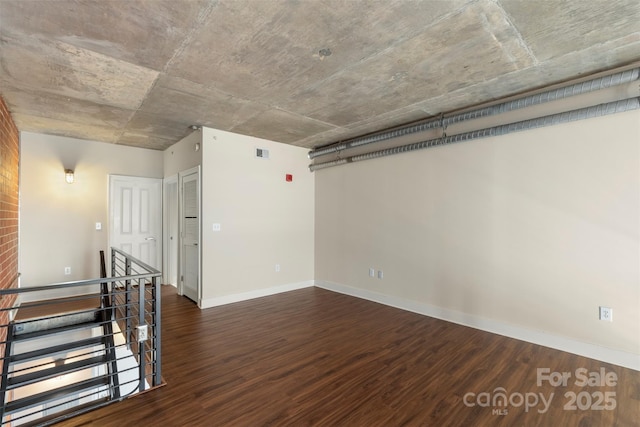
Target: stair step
[
  {"x": 45, "y": 332},
  {"x": 57, "y": 393},
  {"x": 72, "y": 345},
  {"x": 48, "y": 373},
  {"x": 68, "y": 413},
  {"x": 52, "y": 307},
  {"x": 54, "y": 322}
]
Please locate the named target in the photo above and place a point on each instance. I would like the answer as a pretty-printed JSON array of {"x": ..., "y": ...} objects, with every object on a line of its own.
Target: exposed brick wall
[{"x": 9, "y": 173}]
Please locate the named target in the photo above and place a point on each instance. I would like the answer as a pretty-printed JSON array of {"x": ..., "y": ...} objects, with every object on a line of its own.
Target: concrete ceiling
[{"x": 302, "y": 72}]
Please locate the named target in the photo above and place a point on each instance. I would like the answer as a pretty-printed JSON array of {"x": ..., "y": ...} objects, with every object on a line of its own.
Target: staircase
[
  {"x": 99, "y": 345},
  {"x": 57, "y": 364}
]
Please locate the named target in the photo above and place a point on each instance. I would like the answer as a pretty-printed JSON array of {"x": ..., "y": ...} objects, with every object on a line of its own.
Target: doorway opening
[{"x": 190, "y": 253}]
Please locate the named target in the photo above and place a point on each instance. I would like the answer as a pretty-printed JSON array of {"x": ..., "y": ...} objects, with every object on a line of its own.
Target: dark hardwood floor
[{"x": 313, "y": 357}]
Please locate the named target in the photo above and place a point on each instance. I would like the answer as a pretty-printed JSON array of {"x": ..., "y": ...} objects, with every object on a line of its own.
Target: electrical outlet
[
  {"x": 606, "y": 314},
  {"x": 380, "y": 274},
  {"x": 372, "y": 272},
  {"x": 143, "y": 333},
  {"x": 67, "y": 271},
  {"x": 277, "y": 268}
]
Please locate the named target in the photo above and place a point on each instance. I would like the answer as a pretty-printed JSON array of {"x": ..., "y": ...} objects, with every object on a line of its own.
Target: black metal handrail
[{"x": 106, "y": 332}]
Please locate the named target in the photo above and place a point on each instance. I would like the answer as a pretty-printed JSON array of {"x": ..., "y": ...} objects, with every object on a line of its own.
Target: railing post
[
  {"x": 113, "y": 283},
  {"x": 127, "y": 300},
  {"x": 157, "y": 341},
  {"x": 141, "y": 344},
  {"x": 113, "y": 262}
]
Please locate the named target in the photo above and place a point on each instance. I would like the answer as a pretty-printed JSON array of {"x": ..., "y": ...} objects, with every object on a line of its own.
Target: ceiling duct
[
  {"x": 580, "y": 88},
  {"x": 569, "y": 116}
]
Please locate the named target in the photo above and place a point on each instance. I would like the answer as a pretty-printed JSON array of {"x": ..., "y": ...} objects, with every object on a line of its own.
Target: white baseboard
[
  {"x": 616, "y": 357},
  {"x": 229, "y": 299}
]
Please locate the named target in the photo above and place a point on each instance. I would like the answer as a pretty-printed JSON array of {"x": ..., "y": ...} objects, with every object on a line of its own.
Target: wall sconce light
[{"x": 68, "y": 176}]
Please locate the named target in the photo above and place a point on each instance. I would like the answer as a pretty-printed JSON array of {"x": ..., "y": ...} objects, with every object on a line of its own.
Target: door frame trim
[{"x": 166, "y": 231}]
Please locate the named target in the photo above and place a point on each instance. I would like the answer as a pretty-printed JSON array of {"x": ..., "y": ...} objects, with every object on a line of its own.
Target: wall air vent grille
[{"x": 262, "y": 153}]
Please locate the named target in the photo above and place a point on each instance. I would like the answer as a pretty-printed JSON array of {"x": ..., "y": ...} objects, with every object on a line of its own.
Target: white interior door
[
  {"x": 190, "y": 233},
  {"x": 135, "y": 226}
]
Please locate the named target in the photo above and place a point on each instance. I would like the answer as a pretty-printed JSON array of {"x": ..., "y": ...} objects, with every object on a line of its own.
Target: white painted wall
[
  {"x": 57, "y": 220},
  {"x": 526, "y": 232},
  {"x": 531, "y": 231},
  {"x": 183, "y": 155},
  {"x": 264, "y": 219}
]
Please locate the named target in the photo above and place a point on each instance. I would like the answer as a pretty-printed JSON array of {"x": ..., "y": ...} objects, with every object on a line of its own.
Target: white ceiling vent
[{"x": 262, "y": 153}]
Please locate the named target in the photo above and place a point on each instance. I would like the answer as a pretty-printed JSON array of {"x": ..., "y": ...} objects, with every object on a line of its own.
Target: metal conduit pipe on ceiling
[
  {"x": 569, "y": 116},
  {"x": 588, "y": 86}
]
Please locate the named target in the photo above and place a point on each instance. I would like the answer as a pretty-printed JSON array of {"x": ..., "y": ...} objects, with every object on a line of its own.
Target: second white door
[{"x": 190, "y": 233}]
